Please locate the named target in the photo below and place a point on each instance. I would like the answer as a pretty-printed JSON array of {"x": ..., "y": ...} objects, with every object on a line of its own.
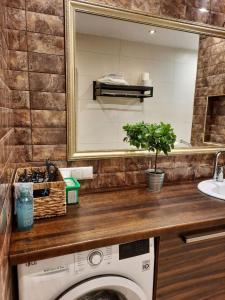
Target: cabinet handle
[{"x": 203, "y": 236}]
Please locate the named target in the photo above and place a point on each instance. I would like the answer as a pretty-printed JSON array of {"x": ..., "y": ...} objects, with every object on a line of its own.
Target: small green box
[{"x": 72, "y": 187}]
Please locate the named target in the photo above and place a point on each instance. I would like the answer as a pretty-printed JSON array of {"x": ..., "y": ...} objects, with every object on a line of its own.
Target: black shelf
[{"x": 103, "y": 89}]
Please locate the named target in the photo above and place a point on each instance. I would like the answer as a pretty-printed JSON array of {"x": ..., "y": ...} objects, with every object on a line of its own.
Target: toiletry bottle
[{"x": 24, "y": 207}]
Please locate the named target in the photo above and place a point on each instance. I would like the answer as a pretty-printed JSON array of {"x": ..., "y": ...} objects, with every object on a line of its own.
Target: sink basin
[{"x": 213, "y": 188}]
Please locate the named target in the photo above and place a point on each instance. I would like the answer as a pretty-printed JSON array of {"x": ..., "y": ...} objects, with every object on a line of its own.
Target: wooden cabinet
[{"x": 193, "y": 270}]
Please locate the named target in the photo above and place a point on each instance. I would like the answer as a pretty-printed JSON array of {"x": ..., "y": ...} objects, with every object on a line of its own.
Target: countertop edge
[{"x": 16, "y": 259}]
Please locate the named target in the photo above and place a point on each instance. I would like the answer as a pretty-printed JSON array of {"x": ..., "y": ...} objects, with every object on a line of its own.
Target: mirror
[{"x": 126, "y": 72}]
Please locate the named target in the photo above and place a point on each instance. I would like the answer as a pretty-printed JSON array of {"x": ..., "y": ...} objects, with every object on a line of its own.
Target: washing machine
[{"x": 118, "y": 272}]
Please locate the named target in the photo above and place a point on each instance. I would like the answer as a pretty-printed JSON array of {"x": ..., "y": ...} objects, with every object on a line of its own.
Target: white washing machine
[{"x": 118, "y": 272}]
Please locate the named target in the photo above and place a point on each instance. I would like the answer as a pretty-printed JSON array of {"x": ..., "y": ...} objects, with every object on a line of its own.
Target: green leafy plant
[{"x": 152, "y": 137}]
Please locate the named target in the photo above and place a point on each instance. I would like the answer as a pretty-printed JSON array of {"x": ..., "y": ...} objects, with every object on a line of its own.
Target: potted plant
[{"x": 152, "y": 137}]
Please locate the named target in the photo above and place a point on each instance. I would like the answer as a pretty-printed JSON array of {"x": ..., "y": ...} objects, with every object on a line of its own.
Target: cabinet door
[{"x": 191, "y": 271}]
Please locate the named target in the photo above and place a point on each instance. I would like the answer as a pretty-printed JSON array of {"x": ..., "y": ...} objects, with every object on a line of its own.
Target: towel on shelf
[{"x": 113, "y": 78}]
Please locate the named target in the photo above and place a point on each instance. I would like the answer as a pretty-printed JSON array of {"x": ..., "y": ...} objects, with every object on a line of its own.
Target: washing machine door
[{"x": 104, "y": 288}]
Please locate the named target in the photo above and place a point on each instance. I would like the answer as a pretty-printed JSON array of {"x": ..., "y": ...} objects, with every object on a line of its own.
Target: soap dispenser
[{"x": 24, "y": 206}]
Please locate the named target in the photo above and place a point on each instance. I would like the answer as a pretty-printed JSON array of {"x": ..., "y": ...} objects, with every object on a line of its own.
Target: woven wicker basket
[{"x": 52, "y": 205}]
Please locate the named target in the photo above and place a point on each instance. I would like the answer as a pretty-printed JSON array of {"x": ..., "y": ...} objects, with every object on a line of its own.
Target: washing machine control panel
[{"x": 95, "y": 257}]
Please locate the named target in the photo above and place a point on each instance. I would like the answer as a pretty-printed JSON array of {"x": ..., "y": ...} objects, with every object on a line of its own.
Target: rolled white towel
[{"x": 113, "y": 79}]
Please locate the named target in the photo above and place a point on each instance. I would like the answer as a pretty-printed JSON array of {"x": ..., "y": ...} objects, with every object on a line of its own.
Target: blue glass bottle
[{"x": 24, "y": 207}]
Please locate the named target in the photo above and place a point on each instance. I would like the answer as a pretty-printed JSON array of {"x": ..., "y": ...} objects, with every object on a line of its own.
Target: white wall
[{"x": 173, "y": 71}]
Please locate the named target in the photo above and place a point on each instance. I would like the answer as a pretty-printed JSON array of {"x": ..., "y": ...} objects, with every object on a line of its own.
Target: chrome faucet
[{"x": 218, "y": 170}]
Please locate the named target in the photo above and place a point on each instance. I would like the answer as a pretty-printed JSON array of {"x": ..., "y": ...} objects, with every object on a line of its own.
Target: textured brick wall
[
  {"x": 6, "y": 155},
  {"x": 210, "y": 82},
  {"x": 130, "y": 172},
  {"x": 37, "y": 80},
  {"x": 215, "y": 120},
  {"x": 32, "y": 91},
  {"x": 37, "y": 76}
]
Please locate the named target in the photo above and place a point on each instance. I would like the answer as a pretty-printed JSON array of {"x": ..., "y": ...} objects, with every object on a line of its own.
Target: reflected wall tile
[
  {"x": 196, "y": 128},
  {"x": 200, "y": 101},
  {"x": 198, "y": 119},
  {"x": 200, "y": 110}
]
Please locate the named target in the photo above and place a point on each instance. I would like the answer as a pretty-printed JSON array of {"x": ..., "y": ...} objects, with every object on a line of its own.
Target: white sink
[{"x": 213, "y": 188}]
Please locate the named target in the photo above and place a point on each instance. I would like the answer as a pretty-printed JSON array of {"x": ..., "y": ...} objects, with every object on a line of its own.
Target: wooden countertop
[{"x": 116, "y": 217}]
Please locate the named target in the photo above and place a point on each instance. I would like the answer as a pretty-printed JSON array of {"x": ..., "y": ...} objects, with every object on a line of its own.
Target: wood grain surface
[
  {"x": 191, "y": 271},
  {"x": 116, "y": 217}
]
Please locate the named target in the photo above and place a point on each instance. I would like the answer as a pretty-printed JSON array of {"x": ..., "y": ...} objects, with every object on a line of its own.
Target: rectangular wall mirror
[{"x": 124, "y": 71}]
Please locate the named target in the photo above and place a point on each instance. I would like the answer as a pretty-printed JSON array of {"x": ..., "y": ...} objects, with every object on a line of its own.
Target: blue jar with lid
[{"x": 24, "y": 206}]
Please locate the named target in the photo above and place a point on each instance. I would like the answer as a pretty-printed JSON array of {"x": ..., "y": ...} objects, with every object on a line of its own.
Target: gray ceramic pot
[{"x": 155, "y": 180}]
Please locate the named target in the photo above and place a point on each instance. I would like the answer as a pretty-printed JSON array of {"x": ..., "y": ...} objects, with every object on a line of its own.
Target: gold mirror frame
[{"x": 71, "y": 7}]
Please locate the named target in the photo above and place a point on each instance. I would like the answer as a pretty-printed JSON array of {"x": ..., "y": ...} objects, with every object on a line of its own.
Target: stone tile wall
[
  {"x": 130, "y": 172},
  {"x": 210, "y": 83},
  {"x": 6, "y": 157},
  {"x": 37, "y": 75},
  {"x": 215, "y": 120},
  {"x": 32, "y": 93}
]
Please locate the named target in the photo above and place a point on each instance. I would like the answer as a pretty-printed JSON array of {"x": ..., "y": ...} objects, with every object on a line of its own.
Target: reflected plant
[{"x": 151, "y": 137}]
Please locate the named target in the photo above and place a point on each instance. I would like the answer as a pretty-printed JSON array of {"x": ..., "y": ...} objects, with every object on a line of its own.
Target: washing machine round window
[
  {"x": 103, "y": 294},
  {"x": 109, "y": 287}
]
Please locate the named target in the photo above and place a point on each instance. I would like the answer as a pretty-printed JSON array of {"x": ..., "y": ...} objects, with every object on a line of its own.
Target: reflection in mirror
[{"x": 119, "y": 52}]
